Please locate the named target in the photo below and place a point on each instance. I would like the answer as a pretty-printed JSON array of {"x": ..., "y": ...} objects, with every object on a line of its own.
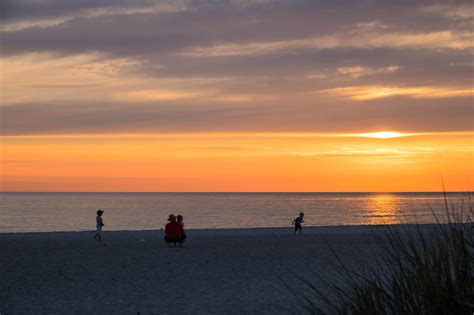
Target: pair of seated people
[{"x": 174, "y": 231}]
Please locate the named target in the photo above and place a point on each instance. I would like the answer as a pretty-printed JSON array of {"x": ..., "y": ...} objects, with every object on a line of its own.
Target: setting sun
[
  {"x": 359, "y": 105},
  {"x": 384, "y": 134},
  {"x": 278, "y": 133}
]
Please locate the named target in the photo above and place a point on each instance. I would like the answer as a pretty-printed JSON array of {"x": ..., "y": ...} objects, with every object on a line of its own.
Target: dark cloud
[
  {"x": 396, "y": 113},
  {"x": 414, "y": 66},
  {"x": 161, "y": 40},
  {"x": 14, "y": 10},
  {"x": 206, "y": 22}
]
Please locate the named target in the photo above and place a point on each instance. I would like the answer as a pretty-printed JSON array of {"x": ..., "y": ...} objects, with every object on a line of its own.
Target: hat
[{"x": 171, "y": 217}]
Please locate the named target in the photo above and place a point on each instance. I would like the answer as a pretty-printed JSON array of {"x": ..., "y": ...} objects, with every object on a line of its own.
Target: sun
[{"x": 384, "y": 134}]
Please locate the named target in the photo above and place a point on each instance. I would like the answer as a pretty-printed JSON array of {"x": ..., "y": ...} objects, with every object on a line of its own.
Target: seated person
[
  {"x": 179, "y": 219},
  {"x": 173, "y": 231}
]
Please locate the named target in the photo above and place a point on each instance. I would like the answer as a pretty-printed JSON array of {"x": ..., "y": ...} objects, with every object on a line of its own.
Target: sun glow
[
  {"x": 238, "y": 162},
  {"x": 382, "y": 209},
  {"x": 384, "y": 134}
]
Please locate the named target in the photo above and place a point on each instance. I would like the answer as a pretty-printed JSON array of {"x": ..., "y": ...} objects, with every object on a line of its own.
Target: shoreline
[{"x": 310, "y": 230}]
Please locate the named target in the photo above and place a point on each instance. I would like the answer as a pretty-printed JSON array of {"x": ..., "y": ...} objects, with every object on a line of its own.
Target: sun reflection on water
[{"x": 382, "y": 209}]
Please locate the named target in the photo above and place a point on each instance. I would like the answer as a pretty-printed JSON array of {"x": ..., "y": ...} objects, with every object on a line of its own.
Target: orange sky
[
  {"x": 240, "y": 95},
  {"x": 237, "y": 162}
]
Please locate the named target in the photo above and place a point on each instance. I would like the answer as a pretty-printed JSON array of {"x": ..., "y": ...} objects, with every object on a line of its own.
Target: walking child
[
  {"x": 297, "y": 222},
  {"x": 99, "y": 224}
]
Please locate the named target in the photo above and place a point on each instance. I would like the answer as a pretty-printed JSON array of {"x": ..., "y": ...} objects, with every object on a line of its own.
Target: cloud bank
[{"x": 74, "y": 67}]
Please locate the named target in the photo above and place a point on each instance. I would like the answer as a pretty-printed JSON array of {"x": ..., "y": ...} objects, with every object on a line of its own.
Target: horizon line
[{"x": 241, "y": 192}]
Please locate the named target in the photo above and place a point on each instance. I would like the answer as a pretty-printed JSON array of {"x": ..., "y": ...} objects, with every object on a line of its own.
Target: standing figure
[
  {"x": 99, "y": 223},
  {"x": 297, "y": 222}
]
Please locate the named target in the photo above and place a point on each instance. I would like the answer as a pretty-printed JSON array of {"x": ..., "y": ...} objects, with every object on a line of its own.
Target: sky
[{"x": 235, "y": 95}]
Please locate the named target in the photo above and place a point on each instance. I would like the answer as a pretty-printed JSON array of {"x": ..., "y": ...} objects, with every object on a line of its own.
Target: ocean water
[{"x": 32, "y": 212}]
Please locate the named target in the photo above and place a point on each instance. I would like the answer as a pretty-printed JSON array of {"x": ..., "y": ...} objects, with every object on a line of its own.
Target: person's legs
[
  {"x": 297, "y": 228},
  {"x": 175, "y": 242},
  {"x": 98, "y": 234}
]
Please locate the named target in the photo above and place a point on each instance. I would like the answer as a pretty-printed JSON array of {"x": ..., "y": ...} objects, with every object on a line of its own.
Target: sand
[{"x": 216, "y": 271}]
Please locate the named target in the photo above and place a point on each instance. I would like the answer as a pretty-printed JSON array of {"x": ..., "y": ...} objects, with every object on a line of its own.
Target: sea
[{"x": 42, "y": 212}]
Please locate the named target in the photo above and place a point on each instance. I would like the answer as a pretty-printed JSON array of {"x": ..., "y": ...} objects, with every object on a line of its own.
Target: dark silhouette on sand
[
  {"x": 99, "y": 224},
  {"x": 297, "y": 222},
  {"x": 179, "y": 219},
  {"x": 173, "y": 232}
]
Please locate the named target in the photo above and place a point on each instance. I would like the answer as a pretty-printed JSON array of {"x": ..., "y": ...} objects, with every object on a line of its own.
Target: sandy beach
[{"x": 216, "y": 271}]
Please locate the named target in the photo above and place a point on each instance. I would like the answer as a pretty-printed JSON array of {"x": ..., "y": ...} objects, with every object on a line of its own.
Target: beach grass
[{"x": 423, "y": 270}]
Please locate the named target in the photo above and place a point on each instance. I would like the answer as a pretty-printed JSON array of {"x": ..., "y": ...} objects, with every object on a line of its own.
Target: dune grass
[{"x": 423, "y": 269}]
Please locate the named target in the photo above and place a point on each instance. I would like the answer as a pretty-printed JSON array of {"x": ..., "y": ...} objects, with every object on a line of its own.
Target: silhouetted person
[
  {"x": 179, "y": 219},
  {"x": 173, "y": 232},
  {"x": 297, "y": 222},
  {"x": 99, "y": 223}
]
